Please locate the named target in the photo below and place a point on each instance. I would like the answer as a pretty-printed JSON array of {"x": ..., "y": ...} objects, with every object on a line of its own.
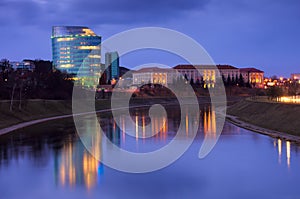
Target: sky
[{"x": 244, "y": 33}]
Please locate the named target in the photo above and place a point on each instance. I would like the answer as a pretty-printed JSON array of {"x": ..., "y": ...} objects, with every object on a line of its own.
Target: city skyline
[{"x": 262, "y": 34}]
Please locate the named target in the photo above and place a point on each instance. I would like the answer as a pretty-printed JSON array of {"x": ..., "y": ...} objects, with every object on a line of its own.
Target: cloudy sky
[{"x": 245, "y": 33}]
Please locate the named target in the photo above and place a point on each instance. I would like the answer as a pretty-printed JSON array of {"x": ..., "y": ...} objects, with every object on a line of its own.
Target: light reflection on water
[{"x": 73, "y": 167}]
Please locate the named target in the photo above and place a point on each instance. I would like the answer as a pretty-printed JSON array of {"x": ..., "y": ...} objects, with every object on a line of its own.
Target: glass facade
[
  {"x": 112, "y": 65},
  {"x": 77, "y": 50}
]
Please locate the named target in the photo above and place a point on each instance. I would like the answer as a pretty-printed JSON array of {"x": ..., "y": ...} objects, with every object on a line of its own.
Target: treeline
[
  {"x": 228, "y": 81},
  {"x": 41, "y": 83}
]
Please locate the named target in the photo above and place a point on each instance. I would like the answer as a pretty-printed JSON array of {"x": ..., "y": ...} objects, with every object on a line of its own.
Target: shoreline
[
  {"x": 230, "y": 118},
  {"x": 264, "y": 131},
  {"x": 40, "y": 110}
]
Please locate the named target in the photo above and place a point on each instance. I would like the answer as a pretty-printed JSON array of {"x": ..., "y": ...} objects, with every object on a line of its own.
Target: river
[{"x": 48, "y": 160}]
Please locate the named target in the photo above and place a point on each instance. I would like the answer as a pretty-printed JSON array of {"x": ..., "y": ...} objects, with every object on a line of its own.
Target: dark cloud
[
  {"x": 37, "y": 12},
  {"x": 262, "y": 33}
]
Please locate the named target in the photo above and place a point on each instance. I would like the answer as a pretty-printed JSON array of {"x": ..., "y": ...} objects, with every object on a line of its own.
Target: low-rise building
[
  {"x": 23, "y": 65},
  {"x": 295, "y": 76},
  {"x": 154, "y": 75},
  {"x": 203, "y": 74},
  {"x": 207, "y": 73},
  {"x": 253, "y": 76}
]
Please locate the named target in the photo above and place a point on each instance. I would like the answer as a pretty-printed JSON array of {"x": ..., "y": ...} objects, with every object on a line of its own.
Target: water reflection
[
  {"x": 75, "y": 167},
  {"x": 209, "y": 123},
  {"x": 288, "y": 151},
  {"x": 279, "y": 149}
]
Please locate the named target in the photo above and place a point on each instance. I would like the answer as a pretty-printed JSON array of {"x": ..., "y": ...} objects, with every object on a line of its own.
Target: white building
[
  {"x": 23, "y": 65},
  {"x": 154, "y": 75},
  {"x": 253, "y": 76}
]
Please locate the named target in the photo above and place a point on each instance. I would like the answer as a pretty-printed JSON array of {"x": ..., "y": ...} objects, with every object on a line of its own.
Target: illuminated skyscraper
[
  {"x": 112, "y": 65},
  {"x": 74, "y": 48}
]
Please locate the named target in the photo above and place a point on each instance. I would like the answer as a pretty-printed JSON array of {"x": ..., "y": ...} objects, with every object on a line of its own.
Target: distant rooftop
[
  {"x": 251, "y": 70},
  {"x": 62, "y": 31},
  {"x": 153, "y": 69},
  {"x": 189, "y": 66}
]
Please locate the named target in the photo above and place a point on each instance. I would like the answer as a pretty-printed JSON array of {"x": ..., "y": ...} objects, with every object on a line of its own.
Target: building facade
[
  {"x": 23, "y": 65},
  {"x": 295, "y": 76},
  {"x": 154, "y": 75},
  {"x": 253, "y": 76},
  {"x": 77, "y": 50},
  {"x": 112, "y": 66},
  {"x": 207, "y": 74}
]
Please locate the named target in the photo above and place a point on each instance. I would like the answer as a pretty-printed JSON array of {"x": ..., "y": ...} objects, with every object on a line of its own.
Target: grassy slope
[
  {"x": 275, "y": 116},
  {"x": 37, "y": 109}
]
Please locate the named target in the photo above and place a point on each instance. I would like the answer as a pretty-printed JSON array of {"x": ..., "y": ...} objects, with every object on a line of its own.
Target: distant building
[
  {"x": 74, "y": 48},
  {"x": 153, "y": 75},
  {"x": 295, "y": 76},
  {"x": 253, "y": 76},
  {"x": 23, "y": 65},
  {"x": 112, "y": 66},
  {"x": 207, "y": 73},
  {"x": 229, "y": 71}
]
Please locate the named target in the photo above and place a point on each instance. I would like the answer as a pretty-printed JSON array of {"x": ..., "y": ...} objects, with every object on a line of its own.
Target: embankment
[{"x": 279, "y": 117}]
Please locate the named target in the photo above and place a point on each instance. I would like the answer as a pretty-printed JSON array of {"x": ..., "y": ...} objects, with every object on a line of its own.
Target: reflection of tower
[
  {"x": 114, "y": 133},
  {"x": 75, "y": 165}
]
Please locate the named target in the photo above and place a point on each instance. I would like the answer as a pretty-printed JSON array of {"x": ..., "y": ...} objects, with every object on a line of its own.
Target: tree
[
  {"x": 233, "y": 80},
  {"x": 228, "y": 81},
  {"x": 192, "y": 81},
  {"x": 241, "y": 81},
  {"x": 5, "y": 65},
  {"x": 198, "y": 82},
  {"x": 274, "y": 92},
  {"x": 294, "y": 88},
  {"x": 223, "y": 79},
  {"x": 185, "y": 77}
]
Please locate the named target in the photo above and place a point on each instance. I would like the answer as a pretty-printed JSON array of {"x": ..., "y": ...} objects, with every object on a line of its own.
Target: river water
[{"x": 49, "y": 161}]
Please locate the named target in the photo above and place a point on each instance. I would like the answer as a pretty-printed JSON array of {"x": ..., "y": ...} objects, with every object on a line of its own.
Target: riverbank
[
  {"x": 37, "y": 111},
  {"x": 274, "y": 119}
]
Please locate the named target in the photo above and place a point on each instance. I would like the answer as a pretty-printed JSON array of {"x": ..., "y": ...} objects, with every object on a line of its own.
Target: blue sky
[{"x": 257, "y": 33}]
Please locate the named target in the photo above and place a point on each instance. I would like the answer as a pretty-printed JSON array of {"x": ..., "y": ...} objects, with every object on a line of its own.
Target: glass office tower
[
  {"x": 77, "y": 50},
  {"x": 112, "y": 65}
]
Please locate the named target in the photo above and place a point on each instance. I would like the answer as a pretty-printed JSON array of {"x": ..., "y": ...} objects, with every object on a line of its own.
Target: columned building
[
  {"x": 253, "y": 76},
  {"x": 207, "y": 73},
  {"x": 76, "y": 50},
  {"x": 154, "y": 75}
]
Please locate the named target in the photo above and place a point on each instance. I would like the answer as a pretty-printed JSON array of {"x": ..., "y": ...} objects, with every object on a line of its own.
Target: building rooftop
[
  {"x": 153, "y": 69},
  {"x": 63, "y": 31},
  {"x": 251, "y": 70},
  {"x": 189, "y": 66}
]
